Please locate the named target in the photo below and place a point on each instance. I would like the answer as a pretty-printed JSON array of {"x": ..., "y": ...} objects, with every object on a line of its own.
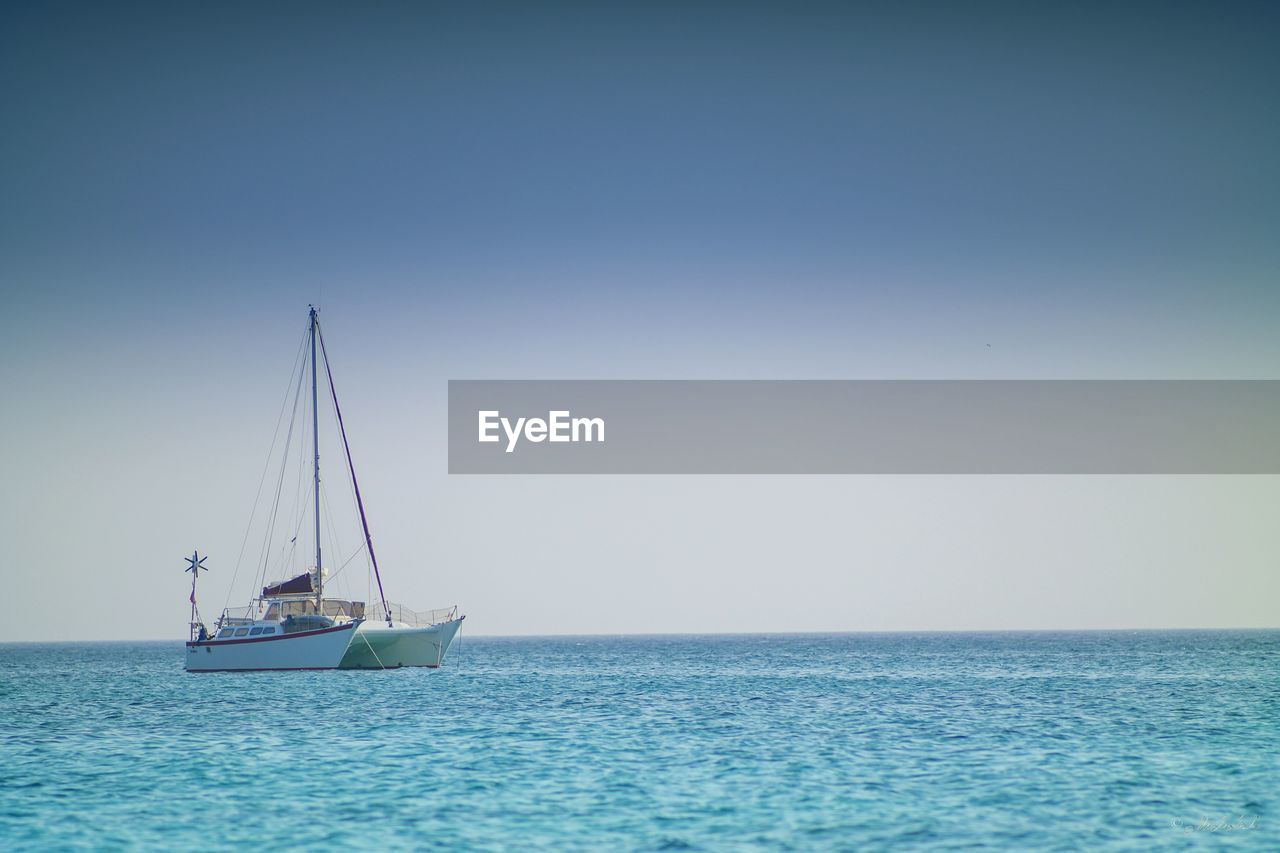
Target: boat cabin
[{"x": 286, "y": 607}]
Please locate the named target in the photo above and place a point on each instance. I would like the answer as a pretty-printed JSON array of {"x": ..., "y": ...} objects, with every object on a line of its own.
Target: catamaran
[{"x": 292, "y": 624}]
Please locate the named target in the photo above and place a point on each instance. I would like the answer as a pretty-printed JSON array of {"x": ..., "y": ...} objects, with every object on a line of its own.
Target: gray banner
[{"x": 863, "y": 427}]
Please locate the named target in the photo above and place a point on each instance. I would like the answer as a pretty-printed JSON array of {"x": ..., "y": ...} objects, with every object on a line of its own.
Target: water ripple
[{"x": 1061, "y": 741}]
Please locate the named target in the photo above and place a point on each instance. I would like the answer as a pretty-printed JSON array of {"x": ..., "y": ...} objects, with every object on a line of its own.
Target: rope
[
  {"x": 355, "y": 504},
  {"x": 371, "y": 651},
  {"x": 284, "y": 463},
  {"x": 352, "y": 468},
  {"x": 347, "y": 562},
  {"x": 266, "y": 464}
]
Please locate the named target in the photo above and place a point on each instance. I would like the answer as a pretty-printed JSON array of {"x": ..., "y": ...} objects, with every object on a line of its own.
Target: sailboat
[{"x": 291, "y": 624}]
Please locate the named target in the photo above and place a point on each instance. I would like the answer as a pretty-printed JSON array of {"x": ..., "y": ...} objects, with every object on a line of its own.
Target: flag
[{"x": 193, "y": 596}]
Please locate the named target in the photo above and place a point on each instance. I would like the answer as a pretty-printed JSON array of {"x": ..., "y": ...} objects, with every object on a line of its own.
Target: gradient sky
[{"x": 604, "y": 190}]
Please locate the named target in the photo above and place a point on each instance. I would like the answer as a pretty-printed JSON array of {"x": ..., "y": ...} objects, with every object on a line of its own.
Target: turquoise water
[{"x": 1081, "y": 740}]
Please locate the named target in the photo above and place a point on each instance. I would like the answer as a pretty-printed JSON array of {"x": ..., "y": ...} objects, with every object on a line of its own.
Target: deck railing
[
  {"x": 238, "y": 616},
  {"x": 412, "y": 618},
  {"x": 373, "y": 612}
]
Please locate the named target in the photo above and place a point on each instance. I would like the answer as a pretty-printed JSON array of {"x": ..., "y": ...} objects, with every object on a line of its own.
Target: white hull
[
  {"x": 322, "y": 649},
  {"x": 377, "y": 646}
]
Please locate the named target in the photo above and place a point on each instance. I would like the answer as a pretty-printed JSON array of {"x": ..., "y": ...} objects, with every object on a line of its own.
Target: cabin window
[
  {"x": 240, "y": 632},
  {"x": 255, "y": 632},
  {"x": 224, "y": 633},
  {"x": 268, "y": 630}
]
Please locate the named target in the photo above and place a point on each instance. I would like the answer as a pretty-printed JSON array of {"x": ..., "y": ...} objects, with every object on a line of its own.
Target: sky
[{"x": 608, "y": 190}]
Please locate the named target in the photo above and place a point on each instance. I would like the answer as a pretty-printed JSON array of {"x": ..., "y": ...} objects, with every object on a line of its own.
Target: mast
[{"x": 315, "y": 432}]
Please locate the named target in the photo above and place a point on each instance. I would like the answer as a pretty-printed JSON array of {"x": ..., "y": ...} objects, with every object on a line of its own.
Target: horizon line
[{"x": 905, "y": 632}]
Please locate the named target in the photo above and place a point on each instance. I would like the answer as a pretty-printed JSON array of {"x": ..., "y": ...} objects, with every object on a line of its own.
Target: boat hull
[
  {"x": 320, "y": 649},
  {"x": 377, "y": 646}
]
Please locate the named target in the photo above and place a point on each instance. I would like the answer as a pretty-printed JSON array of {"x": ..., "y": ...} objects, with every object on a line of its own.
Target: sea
[{"x": 966, "y": 741}]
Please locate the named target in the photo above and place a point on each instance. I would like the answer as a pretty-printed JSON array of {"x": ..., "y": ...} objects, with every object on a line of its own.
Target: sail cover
[{"x": 300, "y": 585}]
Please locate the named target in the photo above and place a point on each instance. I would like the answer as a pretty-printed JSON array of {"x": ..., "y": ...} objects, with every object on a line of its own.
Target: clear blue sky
[{"x": 581, "y": 190}]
